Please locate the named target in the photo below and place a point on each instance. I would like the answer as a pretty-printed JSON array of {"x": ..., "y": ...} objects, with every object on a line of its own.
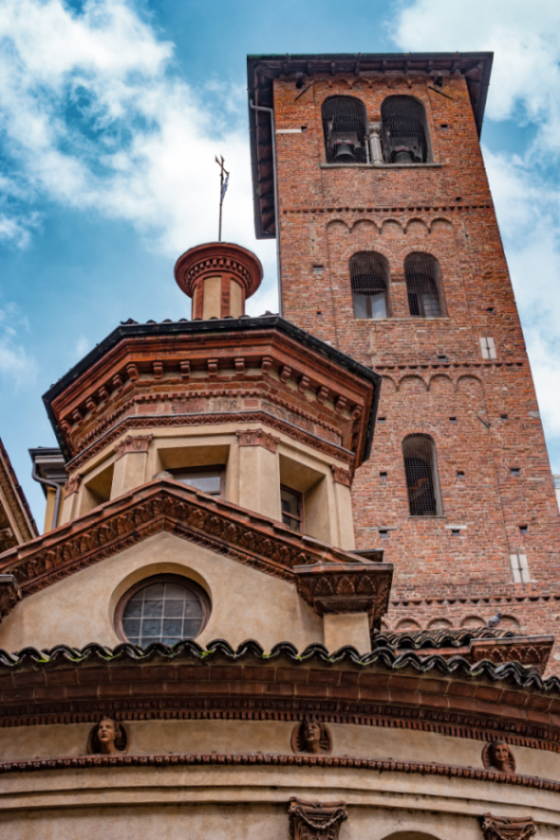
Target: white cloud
[
  {"x": 16, "y": 364},
  {"x": 94, "y": 118},
  {"x": 525, "y": 185}
]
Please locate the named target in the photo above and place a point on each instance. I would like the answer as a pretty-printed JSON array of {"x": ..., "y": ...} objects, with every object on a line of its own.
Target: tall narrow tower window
[
  {"x": 422, "y": 285},
  {"x": 344, "y": 124},
  {"x": 404, "y": 133},
  {"x": 421, "y": 476},
  {"x": 369, "y": 275}
]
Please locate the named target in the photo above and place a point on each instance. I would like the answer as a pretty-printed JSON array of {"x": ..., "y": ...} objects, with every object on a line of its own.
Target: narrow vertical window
[
  {"x": 404, "y": 134},
  {"x": 423, "y": 285},
  {"x": 487, "y": 347},
  {"x": 344, "y": 124},
  {"x": 369, "y": 275},
  {"x": 292, "y": 508},
  {"x": 421, "y": 476}
]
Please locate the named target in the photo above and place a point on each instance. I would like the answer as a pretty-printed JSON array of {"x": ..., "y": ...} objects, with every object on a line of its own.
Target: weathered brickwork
[{"x": 496, "y": 489}]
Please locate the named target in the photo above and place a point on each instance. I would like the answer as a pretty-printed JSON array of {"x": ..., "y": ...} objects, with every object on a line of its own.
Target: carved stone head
[
  {"x": 311, "y": 736},
  {"x": 108, "y": 737},
  {"x": 498, "y": 756}
]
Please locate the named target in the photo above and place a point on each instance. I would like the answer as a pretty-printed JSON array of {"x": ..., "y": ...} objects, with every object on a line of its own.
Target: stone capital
[
  {"x": 341, "y": 476},
  {"x": 507, "y": 828},
  {"x": 316, "y": 820},
  {"x": 133, "y": 443},
  {"x": 256, "y": 437}
]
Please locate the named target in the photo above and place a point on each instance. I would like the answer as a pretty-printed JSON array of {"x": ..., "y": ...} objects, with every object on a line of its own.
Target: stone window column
[
  {"x": 259, "y": 473},
  {"x": 130, "y": 464},
  {"x": 376, "y": 150}
]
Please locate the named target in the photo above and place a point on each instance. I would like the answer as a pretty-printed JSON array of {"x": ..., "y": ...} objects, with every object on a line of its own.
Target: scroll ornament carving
[
  {"x": 316, "y": 820},
  {"x": 505, "y": 828}
]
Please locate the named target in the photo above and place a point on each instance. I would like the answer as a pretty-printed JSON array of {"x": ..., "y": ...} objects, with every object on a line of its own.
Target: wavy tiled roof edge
[{"x": 512, "y": 672}]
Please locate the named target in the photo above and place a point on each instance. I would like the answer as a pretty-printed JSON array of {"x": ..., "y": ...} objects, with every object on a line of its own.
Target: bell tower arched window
[
  {"x": 423, "y": 285},
  {"x": 421, "y": 476},
  {"x": 369, "y": 276},
  {"x": 404, "y": 135},
  {"x": 344, "y": 124}
]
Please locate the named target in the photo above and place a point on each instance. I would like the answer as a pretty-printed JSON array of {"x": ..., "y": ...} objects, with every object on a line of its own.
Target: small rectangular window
[
  {"x": 206, "y": 479},
  {"x": 519, "y": 568},
  {"x": 292, "y": 508},
  {"x": 487, "y": 347}
]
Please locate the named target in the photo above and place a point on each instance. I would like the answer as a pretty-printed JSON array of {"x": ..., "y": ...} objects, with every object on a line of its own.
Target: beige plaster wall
[
  {"x": 225, "y": 802},
  {"x": 246, "y": 603}
]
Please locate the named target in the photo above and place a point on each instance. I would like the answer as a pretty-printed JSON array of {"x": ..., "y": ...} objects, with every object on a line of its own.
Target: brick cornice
[
  {"x": 379, "y": 765},
  {"x": 489, "y": 703}
]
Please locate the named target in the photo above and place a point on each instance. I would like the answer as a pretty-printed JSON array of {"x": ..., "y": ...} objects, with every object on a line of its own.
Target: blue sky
[{"x": 111, "y": 112}]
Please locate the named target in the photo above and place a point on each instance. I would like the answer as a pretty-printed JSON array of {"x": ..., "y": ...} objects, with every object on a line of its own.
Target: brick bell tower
[{"x": 368, "y": 170}]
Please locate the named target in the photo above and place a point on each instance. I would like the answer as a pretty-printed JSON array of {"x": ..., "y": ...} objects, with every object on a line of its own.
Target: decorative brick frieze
[
  {"x": 271, "y": 760},
  {"x": 507, "y": 828}
]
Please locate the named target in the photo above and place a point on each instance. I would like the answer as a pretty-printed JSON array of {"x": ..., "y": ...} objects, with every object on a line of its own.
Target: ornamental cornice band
[{"x": 346, "y": 587}]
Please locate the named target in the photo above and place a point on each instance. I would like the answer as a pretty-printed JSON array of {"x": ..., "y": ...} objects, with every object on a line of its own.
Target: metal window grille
[
  {"x": 418, "y": 451},
  {"x": 368, "y": 279},
  {"x": 344, "y": 124},
  {"x": 421, "y": 272},
  {"x": 292, "y": 508},
  {"x": 165, "y": 610},
  {"x": 403, "y": 132}
]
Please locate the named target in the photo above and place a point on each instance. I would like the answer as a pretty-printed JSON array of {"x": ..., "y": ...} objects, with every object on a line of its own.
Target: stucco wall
[{"x": 246, "y": 603}]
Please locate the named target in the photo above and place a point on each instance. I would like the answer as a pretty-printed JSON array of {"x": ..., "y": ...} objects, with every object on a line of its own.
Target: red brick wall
[{"x": 326, "y": 214}]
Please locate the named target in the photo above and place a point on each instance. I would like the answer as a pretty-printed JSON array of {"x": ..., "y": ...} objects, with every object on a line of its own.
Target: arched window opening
[
  {"x": 422, "y": 285},
  {"x": 369, "y": 274},
  {"x": 421, "y": 476},
  {"x": 344, "y": 124},
  {"x": 404, "y": 134}
]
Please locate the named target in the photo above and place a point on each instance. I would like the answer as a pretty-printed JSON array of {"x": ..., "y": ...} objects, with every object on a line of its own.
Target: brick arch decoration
[
  {"x": 441, "y": 225},
  {"x": 473, "y": 621},
  {"x": 392, "y": 227},
  {"x": 417, "y": 227},
  {"x": 406, "y": 624},
  {"x": 439, "y": 624},
  {"x": 441, "y": 385},
  {"x": 367, "y": 225},
  {"x": 412, "y": 384}
]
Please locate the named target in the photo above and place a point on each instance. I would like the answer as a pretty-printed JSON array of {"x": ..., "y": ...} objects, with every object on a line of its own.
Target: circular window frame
[{"x": 185, "y": 582}]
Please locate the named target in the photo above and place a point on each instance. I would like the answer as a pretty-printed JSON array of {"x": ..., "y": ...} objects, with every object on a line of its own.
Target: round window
[{"x": 166, "y": 609}]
